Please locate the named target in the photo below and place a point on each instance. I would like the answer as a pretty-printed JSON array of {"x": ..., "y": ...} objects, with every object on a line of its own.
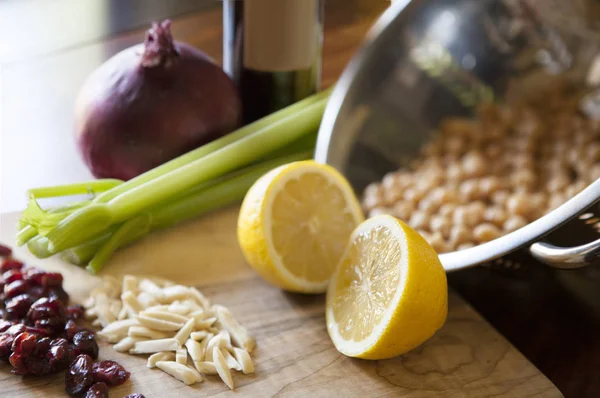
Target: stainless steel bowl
[{"x": 424, "y": 61}]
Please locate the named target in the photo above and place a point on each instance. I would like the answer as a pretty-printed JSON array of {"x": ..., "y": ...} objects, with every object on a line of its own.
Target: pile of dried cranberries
[{"x": 38, "y": 333}]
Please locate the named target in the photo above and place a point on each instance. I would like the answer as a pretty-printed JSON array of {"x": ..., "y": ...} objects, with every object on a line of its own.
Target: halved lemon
[
  {"x": 389, "y": 293},
  {"x": 294, "y": 224}
]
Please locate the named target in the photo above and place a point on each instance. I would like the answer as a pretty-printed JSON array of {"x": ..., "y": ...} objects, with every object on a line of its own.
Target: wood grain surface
[{"x": 295, "y": 357}]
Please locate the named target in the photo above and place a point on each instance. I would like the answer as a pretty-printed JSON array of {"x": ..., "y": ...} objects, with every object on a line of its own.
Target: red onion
[{"x": 151, "y": 103}]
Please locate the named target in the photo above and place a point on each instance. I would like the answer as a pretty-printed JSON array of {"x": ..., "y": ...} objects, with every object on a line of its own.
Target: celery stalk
[
  {"x": 38, "y": 246},
  {"x": 92, "y": 220},
  {"x": 25, "y": 234},
  {"x": 198, "y": 201},
  {"x": 82, "y": 188},
  {"x": 215, "y": 145}
]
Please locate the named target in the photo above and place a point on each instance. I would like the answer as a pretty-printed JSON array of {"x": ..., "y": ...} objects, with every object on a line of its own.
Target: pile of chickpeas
[{"x": 478, "y": 179}]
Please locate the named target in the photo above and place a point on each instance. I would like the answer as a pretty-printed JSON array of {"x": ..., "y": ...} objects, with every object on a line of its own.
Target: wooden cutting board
[{"x": 466, "y": 358}]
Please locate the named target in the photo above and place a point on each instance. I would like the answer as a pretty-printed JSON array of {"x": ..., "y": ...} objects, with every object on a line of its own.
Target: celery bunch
[{"x": 217, "y": 174}]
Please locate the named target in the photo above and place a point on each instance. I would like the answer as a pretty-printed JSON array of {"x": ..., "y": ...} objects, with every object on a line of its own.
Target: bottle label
[{"x": 280, "y": 35}]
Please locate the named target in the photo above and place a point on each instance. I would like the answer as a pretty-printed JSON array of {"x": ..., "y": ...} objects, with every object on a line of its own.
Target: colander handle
[{"x": 566, "y": 257}]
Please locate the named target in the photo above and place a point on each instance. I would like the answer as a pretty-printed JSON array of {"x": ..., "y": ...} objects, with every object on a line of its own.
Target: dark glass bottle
[{"x": 272, "y": 49}]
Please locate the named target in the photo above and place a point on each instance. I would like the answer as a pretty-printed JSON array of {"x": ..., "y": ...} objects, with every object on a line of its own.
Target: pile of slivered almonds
[
  {"x": 176, "y": 325},
  {"x": 478, "y": 179}
]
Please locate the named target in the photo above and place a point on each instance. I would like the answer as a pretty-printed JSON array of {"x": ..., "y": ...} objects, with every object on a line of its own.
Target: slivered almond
[
  {"x": 97, "y": 323},
  {"x": 164, "y": 315},
  {"x": 181, "y": 356},
  {"x": 89, "y": 302},
  {"x": 91, "y": 313},
  {"x": 160, "y": 307},
  {"x": 143, "y": 331},
  {"x": 124, "y": 313},
  {"x": 130, "y": 284},
  {"x": 195, "y": 350},
  {"x": 221, "y": 366},
  {"x": 226, "y": 337},
  {"x": 152, "y": 288},
  {"x": 230, "y": 360},
  {"x": 117, "y": 330},
  {"x": 215, "y": 342},
  {"x": 146, "y": 300},
  {"x": 127, "y": 343},
  {"x": 179, "y": 308},
  {"x": 200, "y": 298},
  {"x": 190, "y": 302},
  {"x": 185, "y": 331},
  {"x": 159, "y": 356},
  {"x": 239, "y": 334},
  {"x": 243, "y": 358},
  {"x": 130, "y": 300},
  {"x": 178, "y": 371},
  {"x": 158, "y": 324},
  {"x": 115, "y": 308},
  {"x": 152, "y": 346},
  {"x": 198, "y": 336},
  {"x": 205, "y": 323},
  {"x": 199, "y": 378},
  {"x": 204, "y": 345},
  {"x": 207, "y": 368},
  {"x": 176, "y": 292}
]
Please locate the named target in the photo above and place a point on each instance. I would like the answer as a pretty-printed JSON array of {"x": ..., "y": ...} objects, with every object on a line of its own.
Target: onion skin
[{"x": 151, "y": 103}]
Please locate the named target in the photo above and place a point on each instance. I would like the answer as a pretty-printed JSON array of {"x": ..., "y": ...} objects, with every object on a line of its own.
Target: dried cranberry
[
  {"x": 43, "y": 278},
  {"x": 42, "y": 347},
  {"x": 71, "y": 328},
  {"x": 37, "y": 366},
  {"x": 55, "y": 324},
  {"x": 10, "y": 263},
  {"x": 58, "y": 354},
  {"x": 24, "y": 344},
  {"x": 17, "y": 307},
  {"x": 46, "y": 308},
  {"x": 12, "y": 275},
  {"x": 135, "y": 395},
  {"x": 15, "y": 288},
  {"x": 5, "y": 251},
  {"x": 97, "y": 390},
  {"x": 110, "y": 372},
  {"x": 57, "y": 293},
  {"x": 74, "y": 311},
  {"x": 79, "y": 376},
  {"x": 42, "y": 332},
  {"x": 18, "y": 363},
  {"x": 15, "y": 329},
  {"x": 6, "y": 341},
  {"x": 4, "y": 325},
  {"x": 85, "y": 343}
]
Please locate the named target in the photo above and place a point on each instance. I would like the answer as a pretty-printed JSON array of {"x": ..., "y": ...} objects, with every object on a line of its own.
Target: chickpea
[
  {"x": 370, "y": 202},
  {"x": 454, "y": 172},
  {"x": 556, "y": 200},
  {"x": 440, "y": 224},
  {"x": 391, "y": 196},
  {"x": 500, "y": 197},
  {"x": 513, "y": 223},
  {"x": 403, "y": 210},
  {"x": 380, "y": 211},
  {"x": 373, "y": 190},
  {"x": 473, "y": 164},
  {"x": 412, "y": 195},
  {"x": 455, "y": 145},
  {"x": 465, "y": 246},
  {"x": 496, "y": 215},
  {"x": 438, "y": 243},
  {"x": 447, "y": 209},
  {"x": 489, "y": 185},
  {"x": 460, "y": 234},
  {"x": 594, "y": 173},
  {"x": 524, "y": 178},
  {"x": 475, "y": 212},
  {"x": 593, "y": 152},
  {"x": 427, "y": 206},
  {"x": 419, "y": 220},
  {"x": 493, "y": 151},
  {"x": 519, "y": 204},
  {"x": 558, "y": 182},
  {"x": 486, "y": 232},
  {"x": 469, "y": 190},
  {"x": 432, "y": 147}
]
